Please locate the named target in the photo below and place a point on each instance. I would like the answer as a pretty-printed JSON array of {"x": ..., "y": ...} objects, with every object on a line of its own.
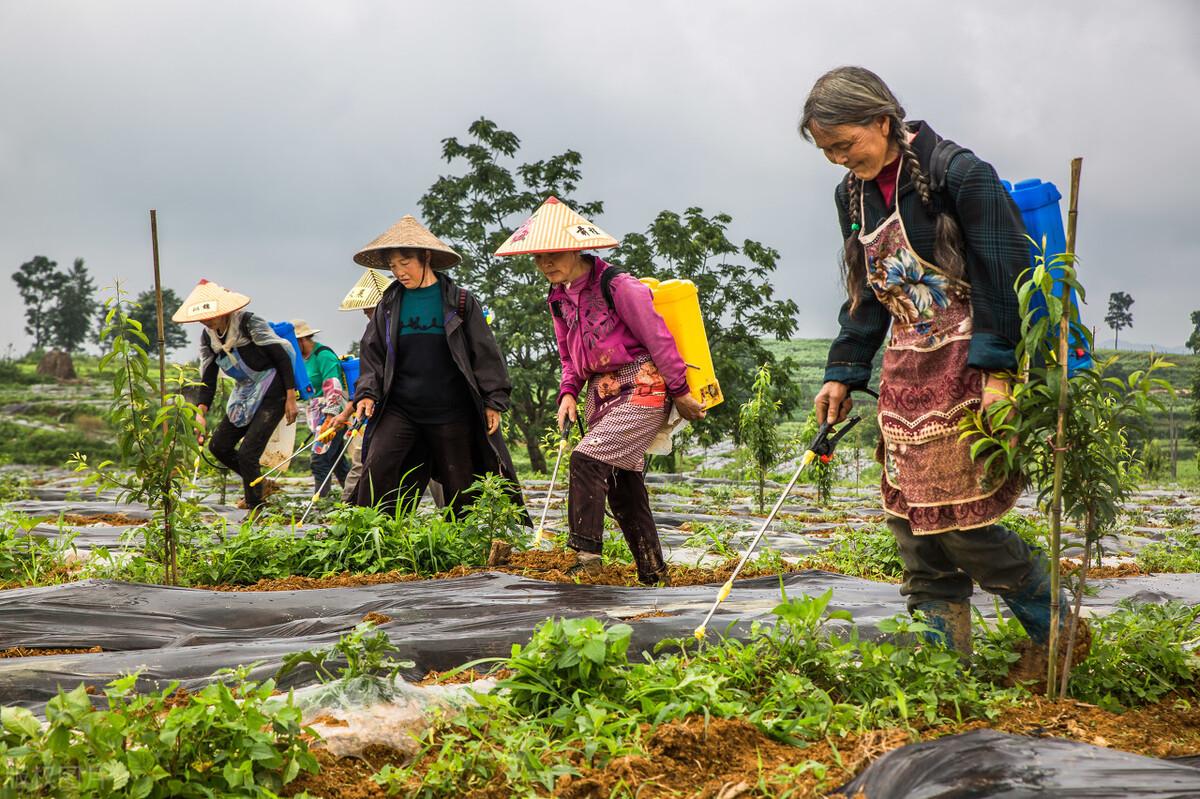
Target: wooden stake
[
  {"x": 168, "y": 530},
  {"x": 1060, "y": 441}
]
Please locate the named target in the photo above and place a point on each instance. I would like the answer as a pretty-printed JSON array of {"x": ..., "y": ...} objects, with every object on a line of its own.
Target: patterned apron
[
  {"x": 248, "y": 389},
  {"x": 925, "y": 389},
  {"x": 625, "y": 411}
]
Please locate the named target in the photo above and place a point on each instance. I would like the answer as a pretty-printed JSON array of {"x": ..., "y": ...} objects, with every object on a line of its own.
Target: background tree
[
  {"x": 144, "y": 311},
  {"x": 1193, "y": 343},
  {"x": 38, "y": 282},
  {"x": 475, "y": 212},
  {"x": 75, "y": 308},
  {"x": 1119, "y": 317},
  {"x": 736, "y": 300},
  {"x": 758, "y": 428}
]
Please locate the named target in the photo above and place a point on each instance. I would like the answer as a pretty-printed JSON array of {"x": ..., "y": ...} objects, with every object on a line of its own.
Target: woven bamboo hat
[
  {"x": 408, "y": 232},
  {"x": 304, "y": 329},
  {"x": 367, "y": 292},
  {"x": 554, "y": 227},
  {"x": 207, "y": 301}
]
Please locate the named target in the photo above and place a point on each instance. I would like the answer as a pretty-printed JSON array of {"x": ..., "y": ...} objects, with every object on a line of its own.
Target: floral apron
[
  {"x": 249, "y": 387},
  {"x": 926, "y": 387}
]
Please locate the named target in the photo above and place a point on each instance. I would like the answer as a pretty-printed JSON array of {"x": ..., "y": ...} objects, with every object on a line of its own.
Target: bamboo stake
[
  {"x": 1060, "y": 443},
  {"x": 168, "y": 531}
]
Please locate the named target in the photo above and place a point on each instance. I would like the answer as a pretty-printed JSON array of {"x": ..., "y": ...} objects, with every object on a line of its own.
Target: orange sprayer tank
[{"x": 678, "y": 302}]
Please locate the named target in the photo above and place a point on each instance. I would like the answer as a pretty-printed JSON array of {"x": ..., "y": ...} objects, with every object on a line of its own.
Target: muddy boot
[
  {"x": 951, "y": 623},
  {"x": 587, "y": 564}
]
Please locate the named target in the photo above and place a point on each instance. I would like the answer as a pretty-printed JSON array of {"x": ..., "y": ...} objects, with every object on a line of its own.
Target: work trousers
[
  {"x": 350, "y": 483},
  {"x": 593, "y": 481},
  {"x": 330, "y": 460},
  {"x": 942, "y": 566},
  {"x": 450, "y": 448},
  {"x": 243, "y": 460}
]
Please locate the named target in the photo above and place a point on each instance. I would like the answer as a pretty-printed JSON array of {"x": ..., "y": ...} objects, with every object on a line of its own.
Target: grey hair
[
  {"x": 857, "y": 96},
  {"x": 848, "y": 96}
]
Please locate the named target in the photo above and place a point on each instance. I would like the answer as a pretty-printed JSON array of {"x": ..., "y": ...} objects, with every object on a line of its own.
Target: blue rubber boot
[
  {"x": 951, "y": 623},
  {"x": 1031, "y": 604}
]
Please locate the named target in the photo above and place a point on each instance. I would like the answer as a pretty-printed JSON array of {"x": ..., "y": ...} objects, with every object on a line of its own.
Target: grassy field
[{"x": 43, "y": 421}]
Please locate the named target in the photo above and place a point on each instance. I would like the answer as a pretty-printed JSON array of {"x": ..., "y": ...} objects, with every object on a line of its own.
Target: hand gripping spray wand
[
  {"x": 822, "y": 447},
  {"x": 562, "y": 448},
  {"x": 356, "y": 429},
  {"x": 329, "y": 433}
]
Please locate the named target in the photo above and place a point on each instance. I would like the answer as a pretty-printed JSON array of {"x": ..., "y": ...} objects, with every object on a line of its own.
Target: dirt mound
[
  {"x": 110, "y": 519},
  {"x": 539, "y": 565},
  {"x": 57, "y": 364},
  {"x": 728, "y": 758}
]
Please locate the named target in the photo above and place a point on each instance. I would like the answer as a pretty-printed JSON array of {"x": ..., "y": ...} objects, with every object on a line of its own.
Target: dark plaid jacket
[{"x": 997, "y": 252}]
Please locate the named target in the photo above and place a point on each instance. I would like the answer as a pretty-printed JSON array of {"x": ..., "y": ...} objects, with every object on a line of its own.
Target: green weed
[
  {"x": 233, "y": 739},
  {"x": 868, "y": 552}
]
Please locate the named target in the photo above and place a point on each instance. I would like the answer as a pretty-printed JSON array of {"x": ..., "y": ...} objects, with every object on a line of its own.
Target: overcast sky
[{"x": 276, "y": 138}]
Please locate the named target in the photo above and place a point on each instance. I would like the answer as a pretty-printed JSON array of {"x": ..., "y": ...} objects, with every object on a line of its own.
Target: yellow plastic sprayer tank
[{"x": 678, "y": 302}]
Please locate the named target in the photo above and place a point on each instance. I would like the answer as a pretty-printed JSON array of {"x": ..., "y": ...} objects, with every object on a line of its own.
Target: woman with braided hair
[{"x": 937, "y": 265}]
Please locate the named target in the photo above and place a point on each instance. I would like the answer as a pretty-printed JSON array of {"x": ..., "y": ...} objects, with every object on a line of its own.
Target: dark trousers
[
  {"x": 592, "y": 482},
  {"x": 943, "y": 565},
  {"x": 243, "y": 460},
  {"x": 330, "y": 460},
  {"x": 391, "y": 473}
]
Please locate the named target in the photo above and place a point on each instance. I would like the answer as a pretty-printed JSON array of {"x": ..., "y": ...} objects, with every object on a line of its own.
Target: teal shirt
[
  {"x": 428, "y": 387},
  {"x": 421, "y": 312}
]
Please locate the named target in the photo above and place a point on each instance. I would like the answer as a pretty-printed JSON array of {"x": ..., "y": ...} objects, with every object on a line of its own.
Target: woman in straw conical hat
[
  {"x": 937, "y": 268},
  {"x": 245, "y": 348},
  {"x": 431, "y": 377},
  {"x": 612, "y": 342}
]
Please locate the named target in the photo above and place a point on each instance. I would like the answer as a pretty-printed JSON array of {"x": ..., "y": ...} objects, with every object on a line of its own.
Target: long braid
[
  {"x": 854, "y": 267},
  {"x": 947, "y": 243}
]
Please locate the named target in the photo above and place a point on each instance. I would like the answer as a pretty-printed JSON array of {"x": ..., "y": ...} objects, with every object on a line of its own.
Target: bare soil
[
  {"x": 727, "y": 758},
  {"x": 110, "y": 519},
  {"x": 1125, "y": 569},
  {"x": 35, "y": 652}
]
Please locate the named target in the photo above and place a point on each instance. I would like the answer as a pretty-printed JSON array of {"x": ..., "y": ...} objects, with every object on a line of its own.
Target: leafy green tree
[
  {"x": 74, "y": 309},
  {"x": 1096, "y": 473},
  {"x": 737, "y": 302},
  {"x": 1119, "y": 317},
  {"x": 758, "y": 428},
  {"x": 475, "y": 212},
  {"x": 156, "y": 436},
  {"x": 144, "y": 311},
  {"x": 38, "y": 282},
  {"x": 1193, "y": 342}
]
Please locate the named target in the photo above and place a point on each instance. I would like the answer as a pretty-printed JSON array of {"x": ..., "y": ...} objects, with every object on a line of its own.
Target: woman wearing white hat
[
  {"x": 615, "y": 347},
  {"x": 327, "y": 378},
  {"x": 245, "y": 348},
  {"x": 431, "y": 376}
]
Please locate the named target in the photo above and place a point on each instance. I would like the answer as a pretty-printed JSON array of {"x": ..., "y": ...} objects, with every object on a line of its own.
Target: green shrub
[
  {"x": 230, "y": 739},
  {"x": 868, "y": 552},
  {"x": 1140, "y": 653},
  {"x": 1180, "y": 554}
]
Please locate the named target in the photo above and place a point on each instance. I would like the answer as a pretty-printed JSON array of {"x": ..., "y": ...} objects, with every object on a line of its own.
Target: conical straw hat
[
  {"x": 555, "y": 228},
  {"x": 208, "y": 300},
  {"x": 367, "y": 292},
  {"x": 408, "y": 232}
]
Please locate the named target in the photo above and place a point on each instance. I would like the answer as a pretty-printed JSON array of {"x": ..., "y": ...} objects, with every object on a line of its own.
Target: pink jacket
[{"x": 594, "y": 339}]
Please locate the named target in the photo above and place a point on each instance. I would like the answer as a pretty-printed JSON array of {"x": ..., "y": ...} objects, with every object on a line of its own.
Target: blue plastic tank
[
  {"x": 350, "y": 367},
  {"x": 1038, "y": 202},
  {"x": 287, "y": 332}
]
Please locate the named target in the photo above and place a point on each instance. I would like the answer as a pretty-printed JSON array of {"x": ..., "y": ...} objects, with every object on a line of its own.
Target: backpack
[
  {"x": 606, "y": 279},
  {"x": 944, "y": 152}
]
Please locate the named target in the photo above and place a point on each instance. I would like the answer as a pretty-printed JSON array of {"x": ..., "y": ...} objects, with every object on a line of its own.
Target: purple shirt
[{"x": 594, "y": 339}]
